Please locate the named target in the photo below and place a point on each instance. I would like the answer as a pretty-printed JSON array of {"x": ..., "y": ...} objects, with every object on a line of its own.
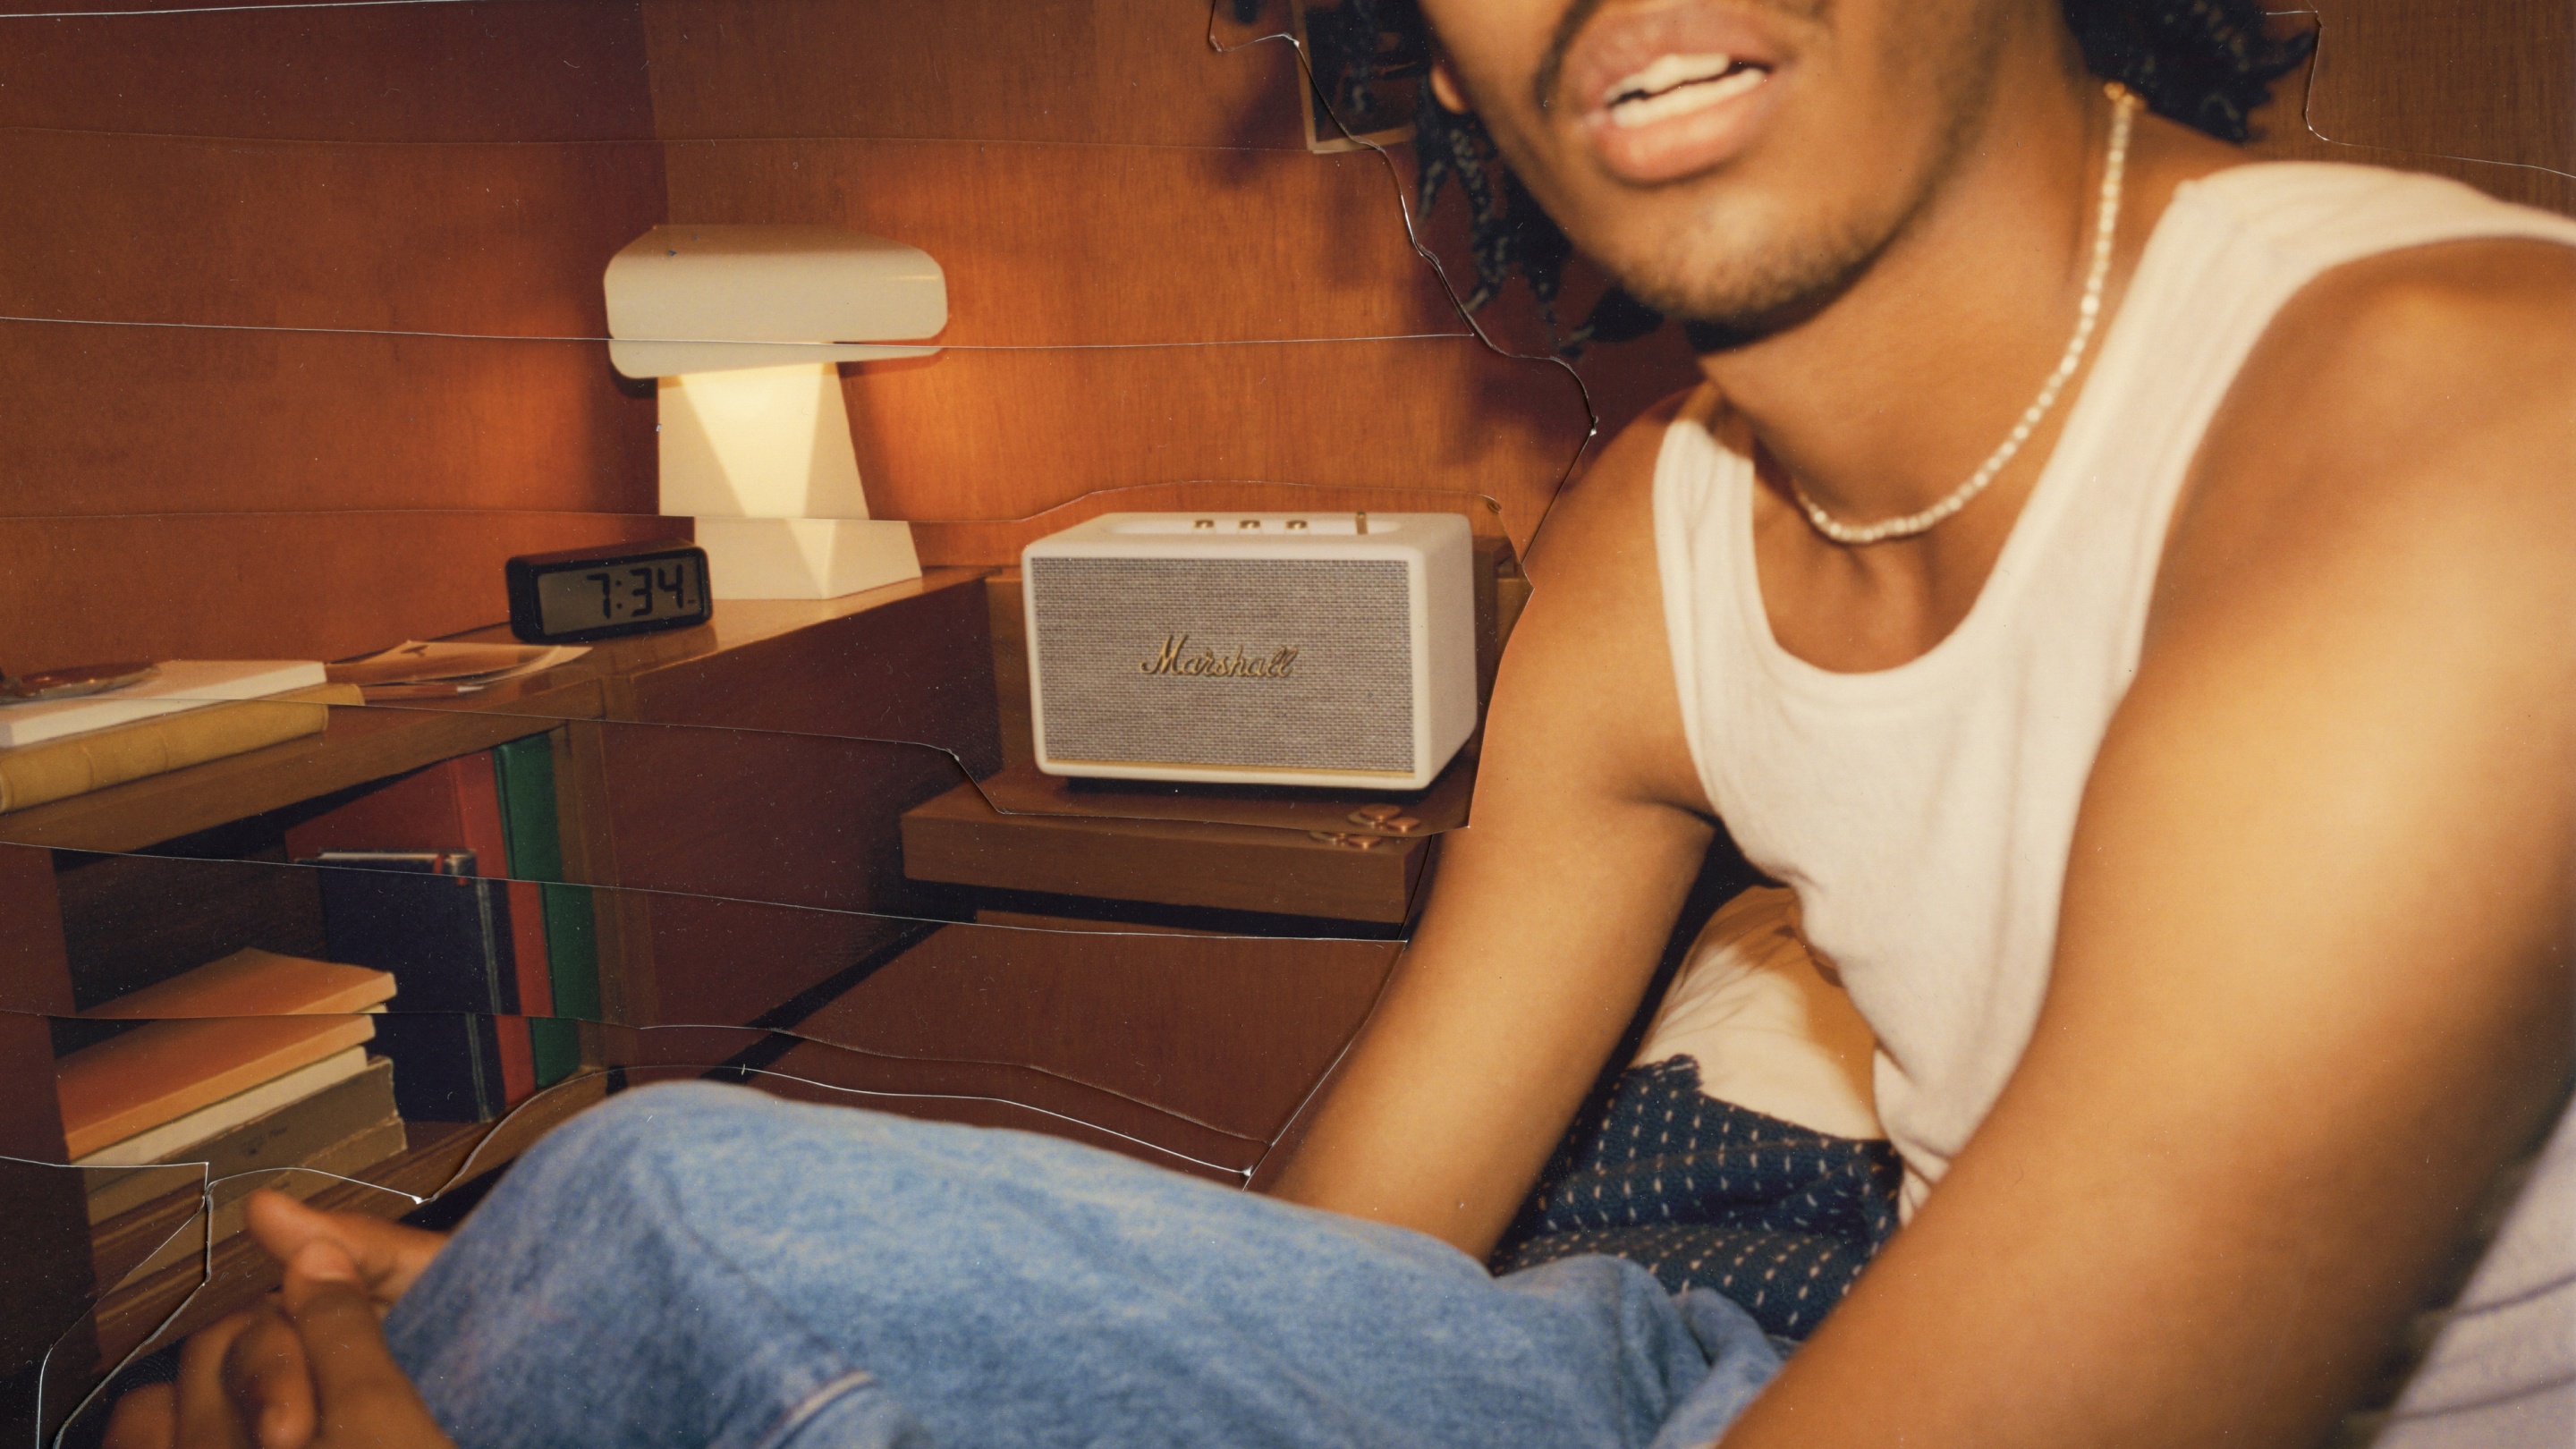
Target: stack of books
[
  {"x": 187, "y": 712},
  {"x": 237, "y": 1072},
  {"x": 448, "y": 878}
]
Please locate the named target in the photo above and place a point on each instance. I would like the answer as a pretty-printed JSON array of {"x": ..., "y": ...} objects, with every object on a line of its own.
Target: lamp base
[{"x": 805, "y": 558}]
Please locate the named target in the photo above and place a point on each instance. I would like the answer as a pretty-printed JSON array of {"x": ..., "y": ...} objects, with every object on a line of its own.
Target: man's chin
[
  {"x": 1732, "y": 289},
  {"x": 1718, "y": 317}
]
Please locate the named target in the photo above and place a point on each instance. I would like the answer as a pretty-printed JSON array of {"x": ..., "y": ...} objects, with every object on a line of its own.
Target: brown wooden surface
[
  {"x": 1189, "y": 1051},
  {"x": 152, "y": 179},
  {"x": 1093, "y": 176},
  {"x": 164, "y": 422},
  {"x": 225, "y": 586},
  {"x": 45, "y": 1272},
  {"x": 905, "y": 662},
  {"x": 35, "y": 965},
  {"x": 1020, "y": 790},
  {"x": 981, "y": 1093},
  {"x": 501, "y": 70},
  {"x": 1003, "y": 435},
  {"x": 1228, "y": 1032},
  {"x": 693, "y": 959},
  {"x": 133, "y": 920},
  {"x": 45, "y": 1277},
  {"x": 750, "y": 794},
  {"x": 1088, "y": 72},
  {"x": 373, "y": 742},
  {"x": 363, "y": 743},
  {"x": 502, "y": 240},
  {"x": 960, "y": 839},
  {"x": 1067, "y": 245},
  {"x": 2484, "y": 93}
]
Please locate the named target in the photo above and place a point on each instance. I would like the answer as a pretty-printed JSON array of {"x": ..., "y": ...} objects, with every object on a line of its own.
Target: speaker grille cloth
[{"x": 1345, "y": 704}]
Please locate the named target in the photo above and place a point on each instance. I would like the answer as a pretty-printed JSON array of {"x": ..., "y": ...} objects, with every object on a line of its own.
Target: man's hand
[
  {"x": 309, "y": 1369},
  {"x": 386, "y": 1256},
  {"x": 266, "y": 1376}
]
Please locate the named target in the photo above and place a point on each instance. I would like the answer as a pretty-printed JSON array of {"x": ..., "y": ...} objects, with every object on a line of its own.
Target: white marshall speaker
[{"x": 1253, "y": 648}]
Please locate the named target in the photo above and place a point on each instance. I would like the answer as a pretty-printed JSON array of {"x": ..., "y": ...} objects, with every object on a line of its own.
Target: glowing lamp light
[{"x": 744, "y": 326}]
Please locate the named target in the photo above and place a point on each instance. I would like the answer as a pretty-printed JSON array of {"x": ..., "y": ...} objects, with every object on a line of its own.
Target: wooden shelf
[
  {"x": 372, "y": 742},
  {"x": 362, "y": 743},
  {"x": 1210, "y": 847},
  {"x": 765, "y": 690}
]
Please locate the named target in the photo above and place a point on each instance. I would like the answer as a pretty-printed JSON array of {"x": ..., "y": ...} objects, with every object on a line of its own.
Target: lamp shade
[{"x": 722, "y": 298}]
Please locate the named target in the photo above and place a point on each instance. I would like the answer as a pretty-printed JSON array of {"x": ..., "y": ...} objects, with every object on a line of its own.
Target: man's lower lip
[{"x": 1669, "y": 150}]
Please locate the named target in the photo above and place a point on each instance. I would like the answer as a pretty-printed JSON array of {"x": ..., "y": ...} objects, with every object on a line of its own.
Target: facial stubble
[{"x": 1746, "y": 267}]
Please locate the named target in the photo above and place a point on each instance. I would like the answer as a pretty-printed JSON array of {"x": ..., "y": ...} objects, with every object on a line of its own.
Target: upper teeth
[{"x": 1677, "y": 84}]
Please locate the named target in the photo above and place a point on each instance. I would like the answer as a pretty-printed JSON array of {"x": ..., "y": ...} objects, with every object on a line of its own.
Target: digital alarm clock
[{"x": 584, "y": 594}]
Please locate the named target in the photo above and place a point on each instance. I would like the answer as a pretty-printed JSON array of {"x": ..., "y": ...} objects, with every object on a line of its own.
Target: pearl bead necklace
[{"x": 2124, "y": 104}]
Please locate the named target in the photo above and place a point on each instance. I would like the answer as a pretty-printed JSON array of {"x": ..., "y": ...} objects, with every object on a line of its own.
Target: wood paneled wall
[
  {"x": 1153, "y": 285},
  {"x": 293, "y": 320},
  {"x": 285, "y": 291},
  {"x": 2483, "y": 91}
]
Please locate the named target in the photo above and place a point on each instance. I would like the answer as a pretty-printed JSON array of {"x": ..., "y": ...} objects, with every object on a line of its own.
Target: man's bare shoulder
[
  {"x": 2410, "y": 416},
  {"x": 1600, "y": 520},
  {"x": 1589, "y": 663}
]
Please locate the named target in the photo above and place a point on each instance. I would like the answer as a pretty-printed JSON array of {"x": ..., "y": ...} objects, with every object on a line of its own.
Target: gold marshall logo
[{"x": 1208, "y": 664}]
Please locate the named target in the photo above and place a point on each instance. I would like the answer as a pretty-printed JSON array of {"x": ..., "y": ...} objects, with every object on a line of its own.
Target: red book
[{"x": 453, "y": 805}]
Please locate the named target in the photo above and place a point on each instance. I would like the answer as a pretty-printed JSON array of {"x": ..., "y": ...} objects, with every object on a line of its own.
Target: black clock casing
[{"x": 586, "y": 594}]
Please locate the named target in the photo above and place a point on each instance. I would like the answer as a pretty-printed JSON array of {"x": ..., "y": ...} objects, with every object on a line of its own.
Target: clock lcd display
[{"x": 574, "y": 599}]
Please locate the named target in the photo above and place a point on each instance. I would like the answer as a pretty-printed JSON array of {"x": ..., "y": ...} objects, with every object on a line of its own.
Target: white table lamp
[{"x": 744, "y": 327}]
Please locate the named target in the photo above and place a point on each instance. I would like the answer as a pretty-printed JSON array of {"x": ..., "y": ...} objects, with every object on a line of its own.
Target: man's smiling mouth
[{"x": 1677, "y": 85}]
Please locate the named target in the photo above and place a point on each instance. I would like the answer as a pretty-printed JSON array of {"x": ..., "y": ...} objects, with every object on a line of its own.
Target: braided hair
[{"x": 2208, "y": 64}]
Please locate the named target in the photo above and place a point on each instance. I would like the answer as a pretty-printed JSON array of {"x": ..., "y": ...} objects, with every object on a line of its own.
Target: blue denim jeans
[{"x": 704, "y": 1265}]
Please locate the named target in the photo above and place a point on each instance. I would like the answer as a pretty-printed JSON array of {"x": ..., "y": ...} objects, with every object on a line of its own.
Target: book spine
[
  {"x": 513, "y": 1057},
  {"x": 445, "y": 1066},
  {"x": 285, "y": 1136},
  {"x": 451, "y": 804},
  {"x": 428, "y": 917},
  {"x": 525, "y": 772},
  {"x": 57, "y": 770},
  {"x": 476, "y": 789}
]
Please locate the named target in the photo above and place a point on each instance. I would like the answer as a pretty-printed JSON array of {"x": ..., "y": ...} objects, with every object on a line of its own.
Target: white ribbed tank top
[{"x": 1923, "y": 813}]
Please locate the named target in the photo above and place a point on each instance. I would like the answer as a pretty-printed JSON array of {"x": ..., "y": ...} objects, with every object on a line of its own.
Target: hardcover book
[
  {"x": 36, "y": 774},
  {"x": 524, "y": 769},
  {"x": 285, "y": 1136},
  {"x": 179, "y": 684},
  {"x": 164, "y": 1240},
  {"x": 163, "y": 1070},
  {"x": 444, "y": 933},
  {"x": 455, "y": 805},
  {"x": 181, "y": 1135},
  {"x": 252, "y": 982}
]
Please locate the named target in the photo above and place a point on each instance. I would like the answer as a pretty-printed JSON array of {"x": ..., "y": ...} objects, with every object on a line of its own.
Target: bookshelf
[
  {"x": 676, "y": 756},
  {"x": 735, "y": 797}
]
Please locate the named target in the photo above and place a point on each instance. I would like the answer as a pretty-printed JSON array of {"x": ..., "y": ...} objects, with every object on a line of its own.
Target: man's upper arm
[
  {"x": 1550, "y": 909},
  {"x": 2312, "y": 983}
]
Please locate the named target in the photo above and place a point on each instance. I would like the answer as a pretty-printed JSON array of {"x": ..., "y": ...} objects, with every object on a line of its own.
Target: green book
[{"x": 526, "y": 771}]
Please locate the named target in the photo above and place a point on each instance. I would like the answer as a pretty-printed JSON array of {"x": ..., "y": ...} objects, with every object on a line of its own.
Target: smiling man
[{"x": 2129, "y": 594}]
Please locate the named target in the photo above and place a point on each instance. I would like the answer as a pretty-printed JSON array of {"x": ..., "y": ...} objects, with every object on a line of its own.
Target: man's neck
[{"x": 1888, "y": 398}]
